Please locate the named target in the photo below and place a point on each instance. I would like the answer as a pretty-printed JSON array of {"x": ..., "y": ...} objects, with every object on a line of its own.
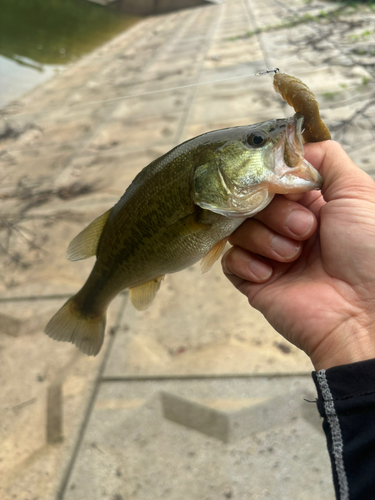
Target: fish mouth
[
  {"x": 296, "y": 175},
  {"x": 293, "y": 145}
]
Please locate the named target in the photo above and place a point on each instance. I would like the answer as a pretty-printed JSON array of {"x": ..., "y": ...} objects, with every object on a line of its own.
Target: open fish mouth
[
  {"x": 293, "y": 152},
  {"x": 293, "y": 163}
]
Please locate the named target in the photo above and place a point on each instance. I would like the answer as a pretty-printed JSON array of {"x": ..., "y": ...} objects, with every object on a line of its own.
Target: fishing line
[
  {"x": 130, "y": 96},
  {"x": 67, "y": 143}
]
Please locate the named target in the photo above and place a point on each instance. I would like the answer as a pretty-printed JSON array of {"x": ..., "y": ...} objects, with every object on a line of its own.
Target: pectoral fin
[
  {"x": 85, "y": 244},
  {"x": 142, "y": 296},
  {"x": 187, "y": 226},
  {"x": 211, "y": 257}
]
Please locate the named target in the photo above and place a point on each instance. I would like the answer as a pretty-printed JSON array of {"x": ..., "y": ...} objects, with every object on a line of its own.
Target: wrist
[{"x": 348, "y": 344}]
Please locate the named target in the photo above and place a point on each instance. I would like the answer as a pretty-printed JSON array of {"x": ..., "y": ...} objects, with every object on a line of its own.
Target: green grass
[
  {"x": 331, "y": 95},
  {"x": 365, "y": 81}
]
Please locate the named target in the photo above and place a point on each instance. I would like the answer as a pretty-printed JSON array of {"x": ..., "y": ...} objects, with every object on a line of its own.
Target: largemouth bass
[{"x": 178, "y": 210}]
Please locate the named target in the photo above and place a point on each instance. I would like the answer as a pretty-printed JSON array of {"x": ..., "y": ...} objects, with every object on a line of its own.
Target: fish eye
[{"x": 257, "y": 139}]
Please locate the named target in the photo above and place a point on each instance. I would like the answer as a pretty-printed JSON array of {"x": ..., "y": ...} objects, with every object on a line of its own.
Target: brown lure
[{"x": 298, "y": 95}]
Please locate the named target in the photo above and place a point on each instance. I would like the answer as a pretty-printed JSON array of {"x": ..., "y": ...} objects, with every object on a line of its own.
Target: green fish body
[{"x": 178, "y": 210}]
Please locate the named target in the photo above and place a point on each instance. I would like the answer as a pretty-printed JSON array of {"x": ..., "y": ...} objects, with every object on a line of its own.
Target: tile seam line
[
  {"x": 32, "y": 298},
  {"x": 85, "y": 421},
  {"x": 185, "y": 117},
  {"x": 157, "y": 54},
  {"x": 164, "y": 47},
  {"x": 188, "y": 377},
  {"x": 174, "y": 33},
  {"x": 254, "y": 24}
]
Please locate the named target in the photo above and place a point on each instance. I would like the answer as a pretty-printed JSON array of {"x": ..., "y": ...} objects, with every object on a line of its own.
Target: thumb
[{"x": 342, "y": 178}]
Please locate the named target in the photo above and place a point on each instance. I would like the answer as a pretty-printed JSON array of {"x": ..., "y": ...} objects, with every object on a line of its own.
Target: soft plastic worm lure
[{"x": 298, "y": 95}]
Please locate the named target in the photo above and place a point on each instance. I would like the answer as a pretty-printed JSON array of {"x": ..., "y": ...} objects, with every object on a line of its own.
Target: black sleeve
[{"x": 346, "y": 401}]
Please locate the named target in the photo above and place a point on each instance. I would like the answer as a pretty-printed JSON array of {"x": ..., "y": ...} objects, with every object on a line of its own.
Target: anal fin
[
  {"x": 143, "y": 295},
  {"x": 85, "y": 244},
  {"x": 212, "y": 255}
]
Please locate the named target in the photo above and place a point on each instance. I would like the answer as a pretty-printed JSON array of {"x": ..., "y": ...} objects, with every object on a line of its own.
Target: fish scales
[{"x": 158, "y": 228}]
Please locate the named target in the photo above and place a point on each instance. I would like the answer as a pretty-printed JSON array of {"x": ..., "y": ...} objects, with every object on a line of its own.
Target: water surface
[{"x": 39, "y": 37}]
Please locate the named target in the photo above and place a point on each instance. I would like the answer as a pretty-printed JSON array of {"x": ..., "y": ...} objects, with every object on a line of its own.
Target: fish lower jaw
[
  {"x": 293, "y": 184},
  {"x": 300, "y": 179},
  {"x": 299, "y": 188}
]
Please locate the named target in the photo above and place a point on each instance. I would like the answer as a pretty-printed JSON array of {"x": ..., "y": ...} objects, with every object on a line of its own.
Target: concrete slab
[
  {"x": 363, "y": 157},
  {"x": 182, "y": 333},
  {"x": 43, "y": 268},
  {"x": 132, "y": 449},
  {"x": 33, "y": 364},
  {"x": 240, "y": 100},
  {"x": 154, "y": 105}
]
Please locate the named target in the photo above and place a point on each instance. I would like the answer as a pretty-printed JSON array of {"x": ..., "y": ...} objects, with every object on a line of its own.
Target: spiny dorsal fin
[
  {"x": 211, "y": 257},
  {"x": 142, "y": 296},
  {"x": 85, "y": 244}
]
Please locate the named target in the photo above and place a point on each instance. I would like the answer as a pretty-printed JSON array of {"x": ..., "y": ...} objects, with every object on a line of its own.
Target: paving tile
[
  {"x": 152, "y": 105},
  {"x": 363, "y": 160},
  {"x": 195, "y": 129},
  {"x": 58, "y": 217},
  {"x": 43, "y": 268},
  {"x": 153, "y": 131},
  {"x": 237, "y": 101},
  {"x": 31, "y": 364},
  {"x": 181, "y": 333},
  {"x": 131, "y": 449}
]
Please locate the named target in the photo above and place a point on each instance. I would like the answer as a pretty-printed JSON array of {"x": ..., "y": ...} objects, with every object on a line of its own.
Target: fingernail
[
  {"x": 260, "y": 269},
  {"x": 299, "y": 222},
  {"x": 285, "y": 248}
]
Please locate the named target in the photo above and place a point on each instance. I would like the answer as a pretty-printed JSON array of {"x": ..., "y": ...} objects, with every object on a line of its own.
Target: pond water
[{"x": 39, "y": 37}]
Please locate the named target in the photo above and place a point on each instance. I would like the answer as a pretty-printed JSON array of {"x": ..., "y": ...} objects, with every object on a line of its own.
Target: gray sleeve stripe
[{"x": 338, "y": 445}]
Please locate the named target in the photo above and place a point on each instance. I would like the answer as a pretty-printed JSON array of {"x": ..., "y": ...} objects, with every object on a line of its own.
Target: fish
[{"x": 178, "y": 210}]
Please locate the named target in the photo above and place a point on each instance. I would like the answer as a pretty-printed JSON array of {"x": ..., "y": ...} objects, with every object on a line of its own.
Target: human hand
[{"x": 309, "y": 266}]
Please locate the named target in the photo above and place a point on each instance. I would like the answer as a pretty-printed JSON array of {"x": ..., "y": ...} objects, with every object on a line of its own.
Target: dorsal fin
[
  {"x": 85, "y": 244},
  {"x": 142, "y": 296},
  {"x": 212, "y": 255}
]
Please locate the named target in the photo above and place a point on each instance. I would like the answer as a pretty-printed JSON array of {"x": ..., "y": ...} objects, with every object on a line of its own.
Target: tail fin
[{"x": 70, "y": 325}]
